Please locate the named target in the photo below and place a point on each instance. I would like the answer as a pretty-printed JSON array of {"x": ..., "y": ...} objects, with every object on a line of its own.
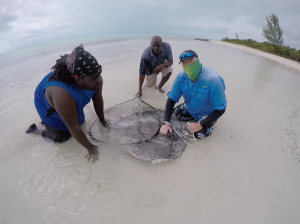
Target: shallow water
[{"x": 246, "y": 172}]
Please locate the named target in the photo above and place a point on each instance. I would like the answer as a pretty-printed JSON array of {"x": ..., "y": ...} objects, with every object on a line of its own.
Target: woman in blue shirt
[{"x": 62, "y": 94}]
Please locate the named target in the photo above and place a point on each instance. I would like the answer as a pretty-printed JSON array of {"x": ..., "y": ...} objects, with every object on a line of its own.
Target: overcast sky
[{"x": 28, "y": 22}]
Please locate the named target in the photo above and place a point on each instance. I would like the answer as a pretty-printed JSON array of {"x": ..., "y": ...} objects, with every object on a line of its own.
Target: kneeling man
[
  {"x": 155, "y": 59},
  {"x": 62, "y": 94},
  {"x": 204, "y": 93}
]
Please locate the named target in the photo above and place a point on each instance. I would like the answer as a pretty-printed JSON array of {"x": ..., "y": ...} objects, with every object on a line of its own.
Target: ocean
[{"x": 246, "y": 172}]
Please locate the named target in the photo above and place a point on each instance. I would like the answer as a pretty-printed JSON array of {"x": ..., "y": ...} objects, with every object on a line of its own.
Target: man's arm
[
  {"x": 218, "y": 99},
  {"x": 169, "y": 109},
  {"x": 173, "y": 96},
  {"x": 161, "y": 66},
  {"x": 143, "y": 65},
  {"x": 141, "y": 81},
  {"x": 213, "y": 116},
  {"x": 168, "y": 112},
  {"x": 65, "y": 106},
  {"x": 99, "y": 105},
  {"x": 169, "y": 60}
]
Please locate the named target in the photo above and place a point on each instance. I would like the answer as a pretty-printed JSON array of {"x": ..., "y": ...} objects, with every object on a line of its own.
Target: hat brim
[{"x": 186, "y": 58}]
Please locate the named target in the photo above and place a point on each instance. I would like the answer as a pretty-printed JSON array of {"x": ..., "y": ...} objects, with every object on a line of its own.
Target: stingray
[{"x": 135, "y": 125}]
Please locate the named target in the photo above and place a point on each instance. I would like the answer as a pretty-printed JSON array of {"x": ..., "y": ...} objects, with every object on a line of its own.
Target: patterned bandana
[
  {"x": 193, "y": 70},
  {"x": 82, "y": 63}
]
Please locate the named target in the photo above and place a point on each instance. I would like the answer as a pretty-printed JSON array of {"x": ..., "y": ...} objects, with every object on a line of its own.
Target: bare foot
[
  {"x": 31, "y": 128},
  {"x": 160, "y": 89}
]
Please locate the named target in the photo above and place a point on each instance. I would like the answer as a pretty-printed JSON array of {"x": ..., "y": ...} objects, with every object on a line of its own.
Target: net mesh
[{"x": 135, "y": 125}]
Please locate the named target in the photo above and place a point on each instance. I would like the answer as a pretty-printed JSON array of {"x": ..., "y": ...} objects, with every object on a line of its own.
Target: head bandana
[
  {"x": 193, "y": 70},
  {"x": 82, "y": 63}
]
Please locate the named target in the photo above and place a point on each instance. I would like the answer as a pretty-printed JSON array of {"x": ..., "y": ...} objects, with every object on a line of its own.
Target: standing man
[
  {"x": 62, "y": 94},
  {"x": 204, "y": 93},
  {"x": 155, "y": 59}
]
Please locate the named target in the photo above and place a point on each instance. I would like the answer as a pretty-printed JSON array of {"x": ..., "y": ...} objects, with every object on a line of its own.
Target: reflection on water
[{"x": 262, "y": 77}]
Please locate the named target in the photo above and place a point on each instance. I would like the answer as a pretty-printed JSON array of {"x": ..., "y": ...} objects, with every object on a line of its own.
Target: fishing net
[{"x": 135, "y": 126}]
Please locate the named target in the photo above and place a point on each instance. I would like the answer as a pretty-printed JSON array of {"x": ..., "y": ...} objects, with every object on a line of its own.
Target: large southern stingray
[{"x": 135, "y": 125}]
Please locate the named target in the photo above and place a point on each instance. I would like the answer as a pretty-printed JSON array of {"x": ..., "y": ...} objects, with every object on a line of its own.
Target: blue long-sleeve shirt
[{"x": 203, "y": 96}]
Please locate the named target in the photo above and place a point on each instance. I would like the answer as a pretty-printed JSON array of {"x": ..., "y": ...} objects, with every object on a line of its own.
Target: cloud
[
  {"x": 28, "y": 22},
  {"x": 144, "y": 2},
  {"x": 151, "y": 3},
  {"x": 8, "y": 18}
]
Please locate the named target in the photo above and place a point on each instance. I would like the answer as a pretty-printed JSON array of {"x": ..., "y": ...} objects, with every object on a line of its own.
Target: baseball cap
[{"x": 187, "y": 55}]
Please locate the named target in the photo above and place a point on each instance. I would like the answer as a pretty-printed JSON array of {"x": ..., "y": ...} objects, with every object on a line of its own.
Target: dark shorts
[
  {"x": 58, "y": 136},
  {"x": 182, "y": 114}
]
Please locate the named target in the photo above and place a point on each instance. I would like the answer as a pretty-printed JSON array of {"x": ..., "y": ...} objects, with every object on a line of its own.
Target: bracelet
[{"x": 166, "y": 122}]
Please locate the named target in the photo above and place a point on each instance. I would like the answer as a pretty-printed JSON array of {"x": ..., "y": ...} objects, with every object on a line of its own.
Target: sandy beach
[
  {"x": 281, "y": 60},
  {"x": 247, "y": 171}
]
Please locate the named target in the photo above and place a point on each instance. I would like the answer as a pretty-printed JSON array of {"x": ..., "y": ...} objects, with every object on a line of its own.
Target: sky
[{"x": 28, "y": 22}]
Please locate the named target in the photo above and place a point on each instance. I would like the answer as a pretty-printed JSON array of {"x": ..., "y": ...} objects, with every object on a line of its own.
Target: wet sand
[{"x": 248, "y": 171}]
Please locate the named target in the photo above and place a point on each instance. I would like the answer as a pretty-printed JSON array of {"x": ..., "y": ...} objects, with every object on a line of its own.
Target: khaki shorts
[{"x": 151, "y": 79}]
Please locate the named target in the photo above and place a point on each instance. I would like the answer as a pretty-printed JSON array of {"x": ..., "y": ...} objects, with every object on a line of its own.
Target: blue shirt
[
  {"x": 81, "y": 97},
  {"x": 203, "y": 96},
  {"x": 149, "y": 61}
]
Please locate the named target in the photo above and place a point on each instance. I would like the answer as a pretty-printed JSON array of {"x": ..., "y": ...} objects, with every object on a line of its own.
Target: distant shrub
[{"x": 280, "y": 50}]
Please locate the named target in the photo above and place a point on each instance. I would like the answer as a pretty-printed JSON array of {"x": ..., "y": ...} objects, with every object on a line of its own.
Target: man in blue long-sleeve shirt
[{"x": 204, "y": 93}]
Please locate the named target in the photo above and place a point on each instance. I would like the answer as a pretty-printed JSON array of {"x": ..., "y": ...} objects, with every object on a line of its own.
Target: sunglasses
[{"x": 189, "y": 54}]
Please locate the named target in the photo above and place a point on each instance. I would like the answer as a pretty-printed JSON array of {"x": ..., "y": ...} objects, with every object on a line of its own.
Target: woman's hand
[
  {"x": 104, "y": 123},
  {"x": 93, "y": 154}
]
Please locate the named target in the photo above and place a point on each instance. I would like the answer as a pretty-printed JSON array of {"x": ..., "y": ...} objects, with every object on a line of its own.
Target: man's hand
[
  {"x": 93, "y": 154},
  {"x": 139, "y": 93},
  {"x": 104, "y": 123},
  {"x": 165, "y": 128},
  {"x": 194, "y": 127},
  {"x": 158, "y": 69}
]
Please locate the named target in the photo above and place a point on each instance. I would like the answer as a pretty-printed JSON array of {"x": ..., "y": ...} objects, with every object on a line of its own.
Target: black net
[{"x": 135, "y": 125}]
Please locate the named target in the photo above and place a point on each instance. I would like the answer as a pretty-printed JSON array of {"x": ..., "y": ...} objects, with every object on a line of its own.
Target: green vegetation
[
  {"x": 283, "y": 51},
  {"x": 272, "y": 31}
]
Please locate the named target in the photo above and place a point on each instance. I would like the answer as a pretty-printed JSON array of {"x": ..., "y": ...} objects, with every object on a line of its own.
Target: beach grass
[{"x": 283, "y": 51}]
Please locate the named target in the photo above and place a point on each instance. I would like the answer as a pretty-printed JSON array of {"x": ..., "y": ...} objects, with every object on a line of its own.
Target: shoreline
[
  {"x": 281, "y": 60},
  {"x": 251, "y": 161}
]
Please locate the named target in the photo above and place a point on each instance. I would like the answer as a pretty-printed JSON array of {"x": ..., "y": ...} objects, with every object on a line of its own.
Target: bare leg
[{"x": 163, "y": 81}]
